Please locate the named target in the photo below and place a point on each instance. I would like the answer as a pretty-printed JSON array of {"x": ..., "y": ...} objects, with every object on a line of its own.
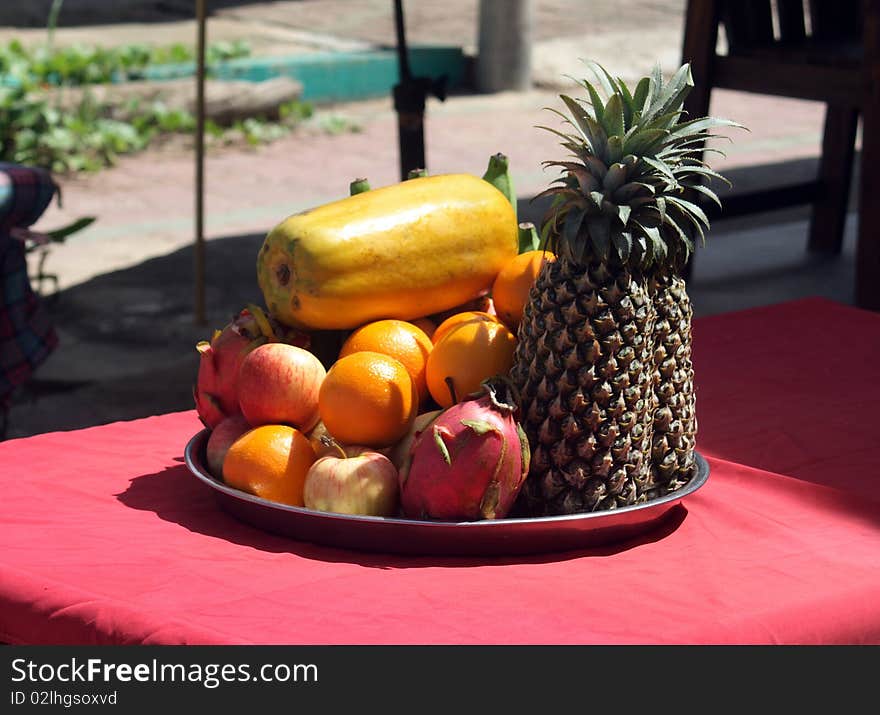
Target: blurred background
[{"x": 299, "y": 102}]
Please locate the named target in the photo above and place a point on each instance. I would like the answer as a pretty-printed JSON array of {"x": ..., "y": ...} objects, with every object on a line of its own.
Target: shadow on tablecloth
[{"x": 175, "y": 496}]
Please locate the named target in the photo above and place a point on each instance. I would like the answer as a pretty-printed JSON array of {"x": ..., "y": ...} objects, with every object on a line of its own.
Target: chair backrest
[{"x": 764, "y": 24}]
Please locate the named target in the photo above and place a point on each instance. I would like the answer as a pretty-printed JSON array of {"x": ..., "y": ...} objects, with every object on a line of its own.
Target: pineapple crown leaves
[{"x": 630, "y": 193}]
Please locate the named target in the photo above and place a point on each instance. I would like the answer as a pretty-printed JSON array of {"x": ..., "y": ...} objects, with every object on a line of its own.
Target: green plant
[
  {"x": 295, "y": 110},
  {"x": 338, "y": 124},
  {"x": 36, "y": 130},
  {"x": 260, "y": 132},
  {"x": 81, "y": 64},
  {"x": 35, "y": 133}
]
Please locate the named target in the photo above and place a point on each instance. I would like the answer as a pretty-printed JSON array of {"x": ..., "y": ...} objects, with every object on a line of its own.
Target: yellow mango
[{"x": 402, "y": 251}]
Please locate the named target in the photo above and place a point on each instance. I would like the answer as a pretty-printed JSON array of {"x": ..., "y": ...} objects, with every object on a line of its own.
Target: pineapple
[
  {"x": 603, "y": 353},
  {"x": 675, "y": 420}
]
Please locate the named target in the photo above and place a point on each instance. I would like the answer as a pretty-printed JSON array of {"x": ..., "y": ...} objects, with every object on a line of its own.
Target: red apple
[
  {"x": 279, "y": 384},
  {"x": 222, "y": 436},
  {"x": 356, "y": 480}
]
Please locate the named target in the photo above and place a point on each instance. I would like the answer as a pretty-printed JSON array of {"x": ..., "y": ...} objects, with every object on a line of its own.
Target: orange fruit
[
  {"x": 399, "y": 339},
  {"x": 270, "y": 461},
  {"x": 454, "y": 320},
  {"x": 510, "y": 291},
  {"x": 368, "y": 399},
  {"x": 468, "y": 354}
]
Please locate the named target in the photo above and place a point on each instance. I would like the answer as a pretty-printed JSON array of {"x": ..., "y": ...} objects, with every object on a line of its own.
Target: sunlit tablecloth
[{"x": 107, "y": 538}]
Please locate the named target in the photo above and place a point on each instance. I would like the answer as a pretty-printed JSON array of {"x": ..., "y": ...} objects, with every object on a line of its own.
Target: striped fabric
[{"x": 27, "y": 335}]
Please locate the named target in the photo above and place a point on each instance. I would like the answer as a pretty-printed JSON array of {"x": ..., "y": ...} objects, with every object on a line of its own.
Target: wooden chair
[{"x": 823, "y": 50}]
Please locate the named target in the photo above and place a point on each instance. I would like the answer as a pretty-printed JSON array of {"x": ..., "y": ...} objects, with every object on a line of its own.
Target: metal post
[
  {"x": 200, "y": 313},
  {"x": 410, "y": 95},
  {"x": 402, "y": 53},
  {"x": 504, "y": 52},
  {"x": 409, "y": 101}
]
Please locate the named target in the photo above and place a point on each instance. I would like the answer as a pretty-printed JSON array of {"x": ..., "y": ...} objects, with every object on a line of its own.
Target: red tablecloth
[{"x": 107, "y": 538}]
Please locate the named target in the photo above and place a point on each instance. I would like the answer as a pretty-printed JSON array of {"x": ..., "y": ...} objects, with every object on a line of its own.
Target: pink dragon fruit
[
  {"x": 215, "y": 389},
  {"x": 470, "y": 463}
]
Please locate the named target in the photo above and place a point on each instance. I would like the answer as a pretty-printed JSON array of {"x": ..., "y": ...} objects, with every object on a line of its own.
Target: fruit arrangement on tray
[{"x": 422, "y": 354}]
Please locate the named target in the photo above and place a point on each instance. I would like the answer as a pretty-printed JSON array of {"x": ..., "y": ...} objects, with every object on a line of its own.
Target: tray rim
[{"x": 195, "y": 464}]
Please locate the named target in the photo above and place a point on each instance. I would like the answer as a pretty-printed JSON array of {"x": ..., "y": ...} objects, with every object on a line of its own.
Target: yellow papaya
[{"x": 401, "y": 251}]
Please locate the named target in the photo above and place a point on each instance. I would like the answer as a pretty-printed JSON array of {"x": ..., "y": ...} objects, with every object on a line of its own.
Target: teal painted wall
[{"x": 335, "y": 76}]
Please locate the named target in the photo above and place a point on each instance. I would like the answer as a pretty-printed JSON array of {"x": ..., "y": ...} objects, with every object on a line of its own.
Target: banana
[
  {"x": 498, "y": 174},
  {"x": 528, "y": 237},
  {"x": 358, "y": 186}
]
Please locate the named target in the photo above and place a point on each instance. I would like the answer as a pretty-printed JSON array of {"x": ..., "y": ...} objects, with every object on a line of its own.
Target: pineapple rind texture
[
  {"x": 675, "y": 419},
  {"x": 603, "y": 357},
  {"x": 584, "y": 364}
]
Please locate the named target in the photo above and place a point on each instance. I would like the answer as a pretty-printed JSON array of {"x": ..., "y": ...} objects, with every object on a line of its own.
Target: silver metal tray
[{"x": 444, "y": 538}]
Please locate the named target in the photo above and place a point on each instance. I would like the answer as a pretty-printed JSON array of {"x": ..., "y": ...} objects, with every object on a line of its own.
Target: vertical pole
[
  {"x": 409, "y": 103},
  {"x": 504, "y": 46},
  {"x": 200, "y": 316},
  {"x": 402, "y": 53}
]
